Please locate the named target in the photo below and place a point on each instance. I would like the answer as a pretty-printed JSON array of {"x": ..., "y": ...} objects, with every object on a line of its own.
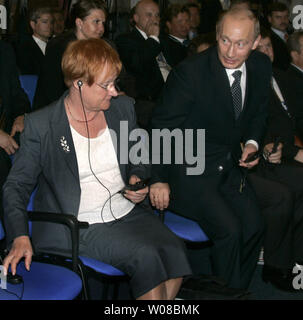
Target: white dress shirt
[
  {"x": 162, "y": 63},
  {"x": 41, "y": 44}
]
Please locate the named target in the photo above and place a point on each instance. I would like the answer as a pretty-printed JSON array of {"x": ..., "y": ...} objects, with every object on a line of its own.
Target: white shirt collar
[
  {"x": 144, "y": 35},
  {"x": 279, "y": 33},
  {"x": 300, "y": 69},
  {"x": 178, "y": 39},
  {"x": 40, "y": 43}
]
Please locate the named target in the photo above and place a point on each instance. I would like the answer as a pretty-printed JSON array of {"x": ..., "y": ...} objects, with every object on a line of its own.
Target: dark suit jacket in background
[
  {"x": 279, "y": 123},
  {"x": 197, "y": 95},
  {"x": 176, "y": 51},
  {"x": 281, "y": 55},
  {"x": 41, "y": 158},
  {"x": 139, "y": 58},
  {"x": 50, "y": 85},
  {"x": 29, "y": 57},
  {"x": 14, "y": 101}
]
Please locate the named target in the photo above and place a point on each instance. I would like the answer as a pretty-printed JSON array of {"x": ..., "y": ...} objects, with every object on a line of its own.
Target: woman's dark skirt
[{"x": 141, "y": 246}]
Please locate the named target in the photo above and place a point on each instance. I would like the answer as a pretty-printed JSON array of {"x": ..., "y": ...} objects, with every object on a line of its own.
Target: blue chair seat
[
  {"x": 44, "y": 282},
  {"x": 184, "y": 228},
  {"x": 101, "y": 267}
]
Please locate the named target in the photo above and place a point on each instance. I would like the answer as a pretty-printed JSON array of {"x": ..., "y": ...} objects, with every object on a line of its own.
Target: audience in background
[
  {"x": 278, "y": 17},
  {"x": 30, "y": 54},
  {"x": 59, "y": 23}
]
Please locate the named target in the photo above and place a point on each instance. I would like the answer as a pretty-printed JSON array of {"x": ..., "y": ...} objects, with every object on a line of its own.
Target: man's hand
[
  {"x": 159, "y": 195},
  {"x": 248, "y": 149},
  {"x": 18, "y": 125},
  {"x": 21, "y": 248},
  {"x": 135, "y": 196},
  {"x": 8, "y": 143},
  {"x": 273, "y": 157},
  {"x": 299, "y": 156},
  {"x": 152, "y": 28}
]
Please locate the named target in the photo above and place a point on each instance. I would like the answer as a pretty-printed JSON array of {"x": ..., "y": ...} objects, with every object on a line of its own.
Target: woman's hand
[{"x": 21, "y": 248}]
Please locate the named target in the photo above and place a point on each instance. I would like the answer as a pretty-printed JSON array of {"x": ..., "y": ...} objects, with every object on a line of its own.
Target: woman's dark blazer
[{"x": 47, "y": 157}]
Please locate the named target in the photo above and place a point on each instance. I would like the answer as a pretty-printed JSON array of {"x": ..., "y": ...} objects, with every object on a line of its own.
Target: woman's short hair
[
  {"x": 82, "y": 8},
  {"x": 85, "y": 60}
]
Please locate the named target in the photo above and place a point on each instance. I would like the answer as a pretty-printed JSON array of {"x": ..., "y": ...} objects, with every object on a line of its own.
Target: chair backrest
[
  {"x": 2, "y": 234},
  {"x": 29, "y": 84}
]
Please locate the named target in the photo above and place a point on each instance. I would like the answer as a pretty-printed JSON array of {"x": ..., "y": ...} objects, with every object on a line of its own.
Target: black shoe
[{"x": 278, "y": 278}]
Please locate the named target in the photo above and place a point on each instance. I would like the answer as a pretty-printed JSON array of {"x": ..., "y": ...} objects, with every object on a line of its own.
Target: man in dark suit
[
  {"x": 30, "y": 54},
  {"x": 206, "y": 91},
  {"x": 177, "y": 25},
  {"x": 278, "y": 18},
  {"x": 14, "y": 103},
  {"x": 144, "y": 56},
  {"x": 295, "y": 70}
]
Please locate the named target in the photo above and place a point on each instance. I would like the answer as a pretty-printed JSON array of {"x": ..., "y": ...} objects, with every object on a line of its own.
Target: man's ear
[
  {"x": 256, "y": 42},
  {"x": 33, "y": 25},
  {"x": 294, "y": 56},
  {"x": 269, "y": 19},
  {"x": 136, "y": 18}
]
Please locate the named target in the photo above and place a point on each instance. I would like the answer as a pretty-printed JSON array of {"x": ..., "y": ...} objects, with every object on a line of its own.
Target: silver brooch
[{"x": 64, "y": 144}]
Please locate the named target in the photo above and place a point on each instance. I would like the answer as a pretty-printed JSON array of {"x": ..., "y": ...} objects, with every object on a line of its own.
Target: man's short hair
[
  {"x": 237, "y": 12},
  {"x": 265, "y": 33},
  {"x": 277, "y": 6},
  {"x": 173, "y": 10},
  {"x": 293, "y": 42},
  {"x": 36, "y": 13}
]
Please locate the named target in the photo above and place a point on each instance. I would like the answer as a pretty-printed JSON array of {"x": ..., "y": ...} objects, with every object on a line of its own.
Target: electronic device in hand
[
  {"x": 16, "y": 279},
  {"x": 137, "y": 186},
  {"x": 275, "y": 146},
  {"x": 251, "y": 157}
]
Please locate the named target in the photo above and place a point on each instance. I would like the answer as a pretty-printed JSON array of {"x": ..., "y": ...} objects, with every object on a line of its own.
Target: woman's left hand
[{"x": 135, "y": 196}]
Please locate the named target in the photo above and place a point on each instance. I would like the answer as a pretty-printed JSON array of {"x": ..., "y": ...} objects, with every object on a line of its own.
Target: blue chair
[
  {"x": 44, "y": 281},
  {"x": 188, "y": 230},
  {"x": 29, "y": 84},
  {"x": 108, "y": 274}
]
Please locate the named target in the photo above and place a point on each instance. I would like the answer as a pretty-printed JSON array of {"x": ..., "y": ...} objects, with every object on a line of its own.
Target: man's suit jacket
[
  {"x": 29, "y": 57},
  {"x": 281, "y": 55},
  {"x": 47, "y": 157},
  {"x": 14, "y": 101},
  {"x": 280, "y": 124},
  {"x": 197, "y": 95},
  {"x": 50, "y": 85},
  {"x": 139, "y": 58},
  {"x": 295, "y": 77},
  {"x": 176, "y": 51}
]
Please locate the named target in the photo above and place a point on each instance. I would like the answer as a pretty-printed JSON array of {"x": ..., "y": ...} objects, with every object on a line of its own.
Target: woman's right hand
[{"x": 21, "y": 248}]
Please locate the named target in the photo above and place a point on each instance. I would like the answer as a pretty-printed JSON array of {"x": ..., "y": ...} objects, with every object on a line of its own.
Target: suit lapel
[
  {"x": 222, "y": 83},
  {"x": 62, "y": 138}
]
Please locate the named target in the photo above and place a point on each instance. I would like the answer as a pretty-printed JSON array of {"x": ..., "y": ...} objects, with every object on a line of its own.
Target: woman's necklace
[{"x": 81, "y": 121}]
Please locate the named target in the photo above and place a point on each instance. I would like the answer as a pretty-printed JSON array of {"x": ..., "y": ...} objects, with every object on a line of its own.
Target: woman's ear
[{"x": 78, "y": 23}]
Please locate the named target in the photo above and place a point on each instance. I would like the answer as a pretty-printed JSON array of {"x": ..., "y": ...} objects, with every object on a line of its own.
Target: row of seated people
[
  {"x": 271, "y": 262},
  {"x": 147, "y": 54}
]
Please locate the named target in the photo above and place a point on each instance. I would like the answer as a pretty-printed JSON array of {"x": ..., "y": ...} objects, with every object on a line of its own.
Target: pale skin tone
[
  {"x": 147, "y": 17},
  {"x": 95, "y": 101},
  {"x": 236, "y": 39},
  {"x": 43, "y": 27}
]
